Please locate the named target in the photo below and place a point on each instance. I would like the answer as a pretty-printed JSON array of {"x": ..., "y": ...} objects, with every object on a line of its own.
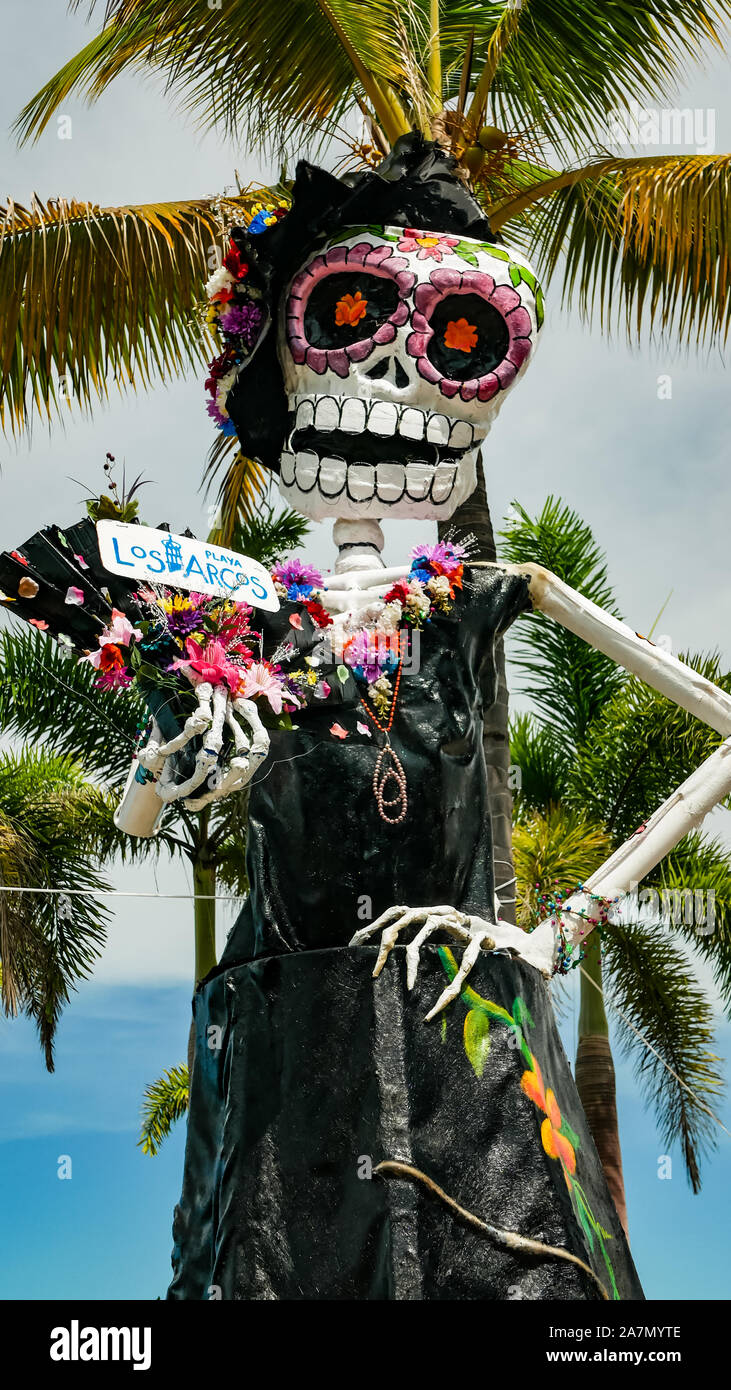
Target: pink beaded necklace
[{"x": 388, "y": 766}]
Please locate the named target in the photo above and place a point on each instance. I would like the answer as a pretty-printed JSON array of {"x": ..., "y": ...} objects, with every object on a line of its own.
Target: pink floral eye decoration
[
  {"x": 345, "y": 303},
  {"x": 471, "y": 336}
]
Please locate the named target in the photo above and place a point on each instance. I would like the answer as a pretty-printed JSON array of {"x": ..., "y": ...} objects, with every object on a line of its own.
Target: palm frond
[
  {"x": 233, "y": 67},
  {"x": 544, "y": 763},
  {"x": 567, "y": 679},
  {"x": 241, "y": 489},
  {"x": 641, "y": 747},
  {"x": 542, "y": 62},
  {"x": 555, "y": 849},
  {"x": 93, "y": 296},
  {"x": 697, "y": 874},
  {"x": 45, "y": 697},
  {"x": 645, "y": 241},
  {"x": 562, "y": 68},
  {"x": 165, "y": 1101},
  {"x": 653, "y": 983},
  {"x": 270, "y": 535},
  {"x": 48, "y": 944}
]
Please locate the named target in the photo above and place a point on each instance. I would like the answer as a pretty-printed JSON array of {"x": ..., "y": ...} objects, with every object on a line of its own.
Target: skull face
[{"x": 398, "y": 348}]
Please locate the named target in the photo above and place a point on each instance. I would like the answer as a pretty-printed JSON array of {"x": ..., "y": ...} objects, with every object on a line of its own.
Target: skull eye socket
[
  {"x": 469, "y": 339},
  {"x": 335, "y": 317}
]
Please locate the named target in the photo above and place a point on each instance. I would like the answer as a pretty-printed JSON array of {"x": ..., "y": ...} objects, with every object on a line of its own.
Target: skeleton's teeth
[
  {"x": 390, "y": 481},
  {"x": 443, "y": 483},
  {"x": 418, "y": 480},
  {"x": 327, "y": 414},
  {"x": 411, "y": 424},
  {"x": 306, "y": 470},
  {"x": 332, "y": 477},
  {"x": 383, "y": 418},
  {"x": 361, "y": 481},
  {"x": 287, "y": 468},
  {"x": 353, "y": 415},
  {"x": 461, "y": 435},
  {"x": 437, "y": 429},
  {"x": 305, "y": 414}
]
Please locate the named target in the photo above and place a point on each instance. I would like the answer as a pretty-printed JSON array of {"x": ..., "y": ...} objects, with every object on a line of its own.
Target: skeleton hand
[
  {"x": 472, "y": 932},
  {"x": 216, "y": 708}
]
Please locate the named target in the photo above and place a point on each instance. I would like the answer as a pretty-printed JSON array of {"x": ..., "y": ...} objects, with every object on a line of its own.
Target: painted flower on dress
[{"x": 555, "y": 1144}]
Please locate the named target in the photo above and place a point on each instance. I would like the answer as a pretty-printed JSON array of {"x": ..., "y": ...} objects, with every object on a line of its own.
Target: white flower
[
  {"x": 419, "y": 604},
  {"x": 223, "y": 388},
  {"x": 439, "y": 584},
  {"x": 390, "y": 619},
  {"x": 221, "y": 279}
]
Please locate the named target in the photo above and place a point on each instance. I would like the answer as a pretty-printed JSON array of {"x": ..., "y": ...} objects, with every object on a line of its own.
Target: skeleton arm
[
  {"x": 682, "y": 812},
  {"x": 687, "y": 807}
]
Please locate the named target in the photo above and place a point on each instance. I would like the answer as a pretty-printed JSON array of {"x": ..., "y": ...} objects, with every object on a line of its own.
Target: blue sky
[{"x": 650, "y": 475}]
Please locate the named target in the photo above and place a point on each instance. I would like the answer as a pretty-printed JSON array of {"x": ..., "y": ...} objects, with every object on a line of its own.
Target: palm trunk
[
  {"x": 204, "y": 915},
  {"x": 204, "y": 887},
  {"x": 474, "y": 517},
  {"x": 595, "y": 1080}
]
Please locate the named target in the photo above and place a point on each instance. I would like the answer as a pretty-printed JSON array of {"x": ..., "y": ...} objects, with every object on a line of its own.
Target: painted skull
[{"x": 398, "y": 348}]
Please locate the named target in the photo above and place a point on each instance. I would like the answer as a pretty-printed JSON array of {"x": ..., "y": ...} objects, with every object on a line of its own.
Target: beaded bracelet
[{"x": 553, "y": 906}]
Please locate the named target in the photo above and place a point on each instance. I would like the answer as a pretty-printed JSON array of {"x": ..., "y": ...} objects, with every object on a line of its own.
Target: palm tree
[
  {"x": 600, "y": 752},
  {"x": 54, "y": 833},
  {"x": 520, "y": 91},
  {"x": 61, "y": 801}
]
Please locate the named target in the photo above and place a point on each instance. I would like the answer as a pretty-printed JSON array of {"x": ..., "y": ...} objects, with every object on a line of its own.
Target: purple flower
[
  {"x": 444, "y": 552},
  {"x": 183, "y": 623},
  {"x": 242, "y": 321},
  {"x": 369, "y": 654},
  {"x": 225, "y": 424},
  {"x": 298, "y": 579}
]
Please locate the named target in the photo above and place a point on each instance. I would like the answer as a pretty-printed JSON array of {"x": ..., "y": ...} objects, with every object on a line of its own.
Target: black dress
[{"x": 308, "y": 1072}]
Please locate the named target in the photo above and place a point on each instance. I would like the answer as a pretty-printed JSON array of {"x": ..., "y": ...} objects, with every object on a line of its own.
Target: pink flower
[
  {"x": 74, "y": 595},
  {"x": 259, "y": 679},
  {"x": 120, "y": 630},
  {"x": 427, "y": 245},
  {"x": 211, "y": 664}
]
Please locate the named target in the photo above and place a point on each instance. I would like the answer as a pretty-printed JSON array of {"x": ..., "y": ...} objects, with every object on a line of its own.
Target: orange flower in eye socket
[
  {"x": 461, "y": 335},
  {"x": 350, "y": 309}
]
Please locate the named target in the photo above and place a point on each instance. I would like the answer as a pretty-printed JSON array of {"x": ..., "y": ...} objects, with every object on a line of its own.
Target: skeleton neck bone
[
  {"x": 360, "y": 578},
  {"x": 359, "y": 543}
]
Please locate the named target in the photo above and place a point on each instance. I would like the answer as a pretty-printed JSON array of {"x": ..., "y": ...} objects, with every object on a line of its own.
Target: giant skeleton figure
[{"x": 307, "y": 1075}]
